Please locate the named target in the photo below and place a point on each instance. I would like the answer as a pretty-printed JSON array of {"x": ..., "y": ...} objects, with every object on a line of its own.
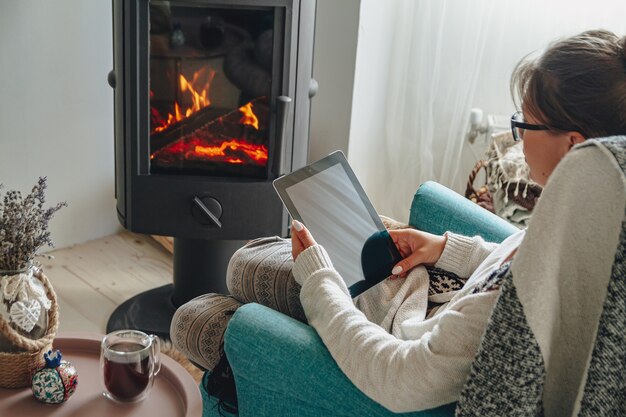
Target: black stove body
[{"x": 212, "y": 103}]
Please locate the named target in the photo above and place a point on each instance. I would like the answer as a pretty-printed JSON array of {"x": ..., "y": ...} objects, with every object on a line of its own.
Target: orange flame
[
  {"x": 199, "y": 99},
  {"x": 249, "y": 118},
  {"x": 255, "y": 152}
]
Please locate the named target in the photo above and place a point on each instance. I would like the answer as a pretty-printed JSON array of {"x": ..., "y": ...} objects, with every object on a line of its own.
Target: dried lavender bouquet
[{"x": 24, "y": 226}]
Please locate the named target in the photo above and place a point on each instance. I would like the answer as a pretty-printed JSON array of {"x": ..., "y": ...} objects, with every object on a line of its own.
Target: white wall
[
  {"x": 370, "y": 86},
  {"x": 336, "y": 35},
  {"x": 56, "y": 110}
]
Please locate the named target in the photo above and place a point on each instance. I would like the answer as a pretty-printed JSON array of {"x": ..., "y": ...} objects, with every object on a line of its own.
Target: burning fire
[
  {"x": 225, "y": 139},
  {"x": 248, "y": 118},
  {"x": 257, "y": 153},
  {"x": 199, "y": 99},
  {"x": 232, "y": 151}
]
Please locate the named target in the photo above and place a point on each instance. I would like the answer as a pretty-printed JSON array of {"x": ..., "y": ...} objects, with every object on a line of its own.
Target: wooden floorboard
[
  {"x": 93, "y": 278},
  {"x": 72, "y": 320}
]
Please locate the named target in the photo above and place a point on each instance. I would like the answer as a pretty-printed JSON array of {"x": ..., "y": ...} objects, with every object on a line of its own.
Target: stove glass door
[{"x": 210, "y": 82}]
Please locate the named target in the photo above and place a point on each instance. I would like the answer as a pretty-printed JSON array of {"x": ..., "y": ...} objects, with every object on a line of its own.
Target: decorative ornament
[
  {"x": 28, "y": 299},
  {"x": 22, "y": 286},
  {"x": 57, "y": 381},
  {"x": 25, "y": 315}
]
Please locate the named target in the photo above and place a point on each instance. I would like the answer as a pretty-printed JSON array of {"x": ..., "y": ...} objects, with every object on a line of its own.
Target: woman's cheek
[{"x": 536, "y": 171}]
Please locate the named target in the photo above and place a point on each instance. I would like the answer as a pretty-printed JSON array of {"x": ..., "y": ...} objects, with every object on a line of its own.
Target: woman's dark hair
[{"x": 578, "y": 84}]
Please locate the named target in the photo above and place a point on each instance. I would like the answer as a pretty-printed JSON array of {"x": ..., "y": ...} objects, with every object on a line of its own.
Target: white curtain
[{"x": 439, "y": 59}]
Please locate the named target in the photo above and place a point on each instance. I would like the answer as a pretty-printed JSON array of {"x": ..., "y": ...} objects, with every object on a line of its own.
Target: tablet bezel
[{"x": 281, "y": 184}]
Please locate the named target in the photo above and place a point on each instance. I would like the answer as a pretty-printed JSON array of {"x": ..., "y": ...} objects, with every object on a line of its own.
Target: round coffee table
[{"x": 175, "y": 393}]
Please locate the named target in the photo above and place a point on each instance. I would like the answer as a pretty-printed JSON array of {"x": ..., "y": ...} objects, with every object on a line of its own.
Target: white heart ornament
[{"x": 25, "y": 315}]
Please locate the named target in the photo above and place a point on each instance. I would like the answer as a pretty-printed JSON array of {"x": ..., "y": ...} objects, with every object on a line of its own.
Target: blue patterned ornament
[{"x": 56, "y": 382}]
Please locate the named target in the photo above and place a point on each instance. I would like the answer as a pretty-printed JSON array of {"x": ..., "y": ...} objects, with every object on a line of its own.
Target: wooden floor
[{"x": 93, "y": 278}]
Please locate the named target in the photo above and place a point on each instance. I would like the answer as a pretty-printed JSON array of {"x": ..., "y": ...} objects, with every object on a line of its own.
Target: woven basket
[
  {"x": 17, "y": 368},
  {"x": 481, "y": 195}
]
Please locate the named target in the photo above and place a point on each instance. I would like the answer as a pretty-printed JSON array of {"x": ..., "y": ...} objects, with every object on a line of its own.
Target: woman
[
  {"x": 418, "y": 359},
  {"x": 555, "y": 343}
]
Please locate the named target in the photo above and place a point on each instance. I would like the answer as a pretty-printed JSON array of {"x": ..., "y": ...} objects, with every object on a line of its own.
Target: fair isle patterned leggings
[{"x": 260, "y": 272}]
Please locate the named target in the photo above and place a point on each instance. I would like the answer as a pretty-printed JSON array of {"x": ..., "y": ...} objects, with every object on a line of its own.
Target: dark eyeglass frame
[{"x": 517, "y": 124}]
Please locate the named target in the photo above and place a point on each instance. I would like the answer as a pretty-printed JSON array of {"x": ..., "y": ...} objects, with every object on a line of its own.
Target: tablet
[{"x": 328, "y": 199}]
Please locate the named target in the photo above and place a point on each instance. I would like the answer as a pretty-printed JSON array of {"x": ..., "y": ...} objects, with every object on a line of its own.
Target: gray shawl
[{"x": 556, "y": 341}]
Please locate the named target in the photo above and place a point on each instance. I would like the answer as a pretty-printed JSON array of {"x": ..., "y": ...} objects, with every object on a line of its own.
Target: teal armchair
[{"x": 281, "y": 366}]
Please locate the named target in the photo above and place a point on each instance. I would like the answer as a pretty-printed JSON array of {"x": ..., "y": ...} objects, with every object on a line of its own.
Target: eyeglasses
[{"x": 518, "y": 126}]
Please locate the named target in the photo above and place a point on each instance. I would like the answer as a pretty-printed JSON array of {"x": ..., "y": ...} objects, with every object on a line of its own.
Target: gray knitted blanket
[{"x": 509, "y": 373}]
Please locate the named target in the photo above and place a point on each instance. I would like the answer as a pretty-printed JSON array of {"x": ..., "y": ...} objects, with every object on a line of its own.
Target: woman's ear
[{"x": 575, "y": 138}]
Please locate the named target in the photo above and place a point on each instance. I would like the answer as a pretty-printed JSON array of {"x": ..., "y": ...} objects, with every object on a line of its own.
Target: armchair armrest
[
  {"x": 437, "y": 209},
  {"x": 282, "y": 368}
]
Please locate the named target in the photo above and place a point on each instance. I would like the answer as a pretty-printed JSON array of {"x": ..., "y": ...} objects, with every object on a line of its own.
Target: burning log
[
  {"x": 236, "y": 138},
  {"x": 213, "y": 123}
]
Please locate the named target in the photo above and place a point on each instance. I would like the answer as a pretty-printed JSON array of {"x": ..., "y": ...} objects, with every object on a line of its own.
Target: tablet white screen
[{"x": 336, "y": 217}]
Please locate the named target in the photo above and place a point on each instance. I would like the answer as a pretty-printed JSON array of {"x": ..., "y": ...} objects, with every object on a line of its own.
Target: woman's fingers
[
  {"x": 396, "y": 235},
  {"x": 300, "y": 239},
  {"x": 296, "y": 245},
  {"x": 405, "y": 265},
  {"x": 303, "y": 234}
]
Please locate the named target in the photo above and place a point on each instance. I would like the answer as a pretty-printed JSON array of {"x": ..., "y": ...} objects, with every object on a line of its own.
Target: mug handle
[{"x": 156, "y": 353}]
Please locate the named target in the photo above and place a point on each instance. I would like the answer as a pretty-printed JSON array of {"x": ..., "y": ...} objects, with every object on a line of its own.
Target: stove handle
[
  {"x": 112, "y": 79},
  {"x": 206, "y": 212},
  {"x": 282, "y": 112}
]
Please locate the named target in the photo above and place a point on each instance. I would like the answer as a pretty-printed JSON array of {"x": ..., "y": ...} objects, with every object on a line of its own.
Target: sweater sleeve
[
  {"x": 401, "y": 375},
  {"x": 463, "y": 254}
]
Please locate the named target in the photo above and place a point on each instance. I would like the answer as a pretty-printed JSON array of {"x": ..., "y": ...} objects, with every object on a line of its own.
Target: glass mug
[{"x": 129, "y": 361}]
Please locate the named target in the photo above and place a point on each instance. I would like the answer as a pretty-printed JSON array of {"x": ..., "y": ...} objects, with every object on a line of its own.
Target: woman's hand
[
  {"x": 300, "y": 239},
  {"x": 416, "y": 247}
]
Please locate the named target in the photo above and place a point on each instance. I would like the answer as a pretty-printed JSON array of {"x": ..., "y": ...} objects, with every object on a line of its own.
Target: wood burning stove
[{"x": 212, "y": 102}]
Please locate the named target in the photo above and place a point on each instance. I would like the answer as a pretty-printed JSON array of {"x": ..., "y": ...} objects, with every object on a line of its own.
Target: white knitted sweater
[{"x": 390, "y": 350}]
